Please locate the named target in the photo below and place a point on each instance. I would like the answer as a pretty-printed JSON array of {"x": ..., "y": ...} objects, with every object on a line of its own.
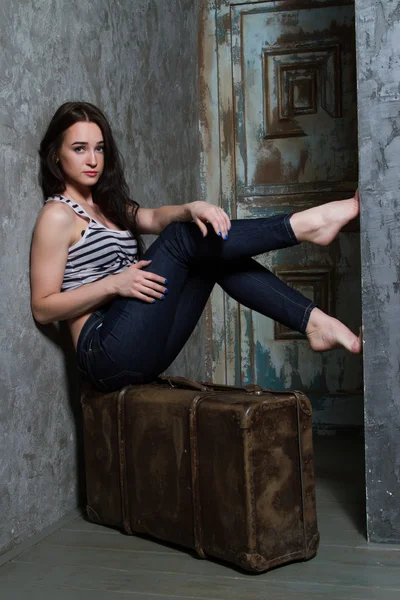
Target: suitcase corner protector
[
  {"x": 252, "y": 562},
  {"x": 92, "y": 515},
  {"x": 312, "y": 547}
]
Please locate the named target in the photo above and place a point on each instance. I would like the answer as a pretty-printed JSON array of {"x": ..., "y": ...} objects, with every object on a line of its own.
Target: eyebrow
[{"x": 84, "y": 143}]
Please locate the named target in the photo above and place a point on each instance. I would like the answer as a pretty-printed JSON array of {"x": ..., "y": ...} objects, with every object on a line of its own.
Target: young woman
[{"x": 130, "y": 313}]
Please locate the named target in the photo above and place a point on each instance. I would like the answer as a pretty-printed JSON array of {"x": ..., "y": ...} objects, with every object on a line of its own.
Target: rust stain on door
[{"x": 288, "y": 125}]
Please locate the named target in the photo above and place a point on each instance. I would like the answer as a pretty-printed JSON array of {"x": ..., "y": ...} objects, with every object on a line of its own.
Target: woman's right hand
[{"x": 133, "y": 282}]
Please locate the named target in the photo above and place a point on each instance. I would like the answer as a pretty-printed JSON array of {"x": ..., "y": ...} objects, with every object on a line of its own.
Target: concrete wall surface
[
  {"x": 138, "y": 62},
  {"x": 378, "y": 41}
]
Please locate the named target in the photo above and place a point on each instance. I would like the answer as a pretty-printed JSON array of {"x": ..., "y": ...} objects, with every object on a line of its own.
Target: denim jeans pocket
[{"x": 120, "y": 380}]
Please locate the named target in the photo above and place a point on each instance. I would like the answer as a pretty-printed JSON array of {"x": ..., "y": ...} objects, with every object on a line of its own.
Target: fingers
[
  {"x": 149, "y": 293},
  {"x": 159, "y": 290},
  {"x": 144, "y": 298},
  {"x": 152, "y": 286},
  {"x": 153, "y": 293},
  {"x": 144, "y": 285},
  {"x": 156, "y": 278},
  {"x": 141, "y": 264},
  {"x": 220, "y": 222},
  {"x": 203, "y": 212},
  {"x": 227, "y": 221},
  {"x": 201, "y": 226},
  {"x": 147, "y": 274}
]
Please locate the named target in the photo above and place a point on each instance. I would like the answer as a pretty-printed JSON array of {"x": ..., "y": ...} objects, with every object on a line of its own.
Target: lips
[{"x": 90, "y": 173}]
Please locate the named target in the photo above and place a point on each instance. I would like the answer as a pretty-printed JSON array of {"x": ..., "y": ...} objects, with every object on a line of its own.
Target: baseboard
[{"x": 8, "y": 555}]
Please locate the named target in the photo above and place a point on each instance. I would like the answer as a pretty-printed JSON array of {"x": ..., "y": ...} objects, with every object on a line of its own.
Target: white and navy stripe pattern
[{"x": 100, "y": 252}]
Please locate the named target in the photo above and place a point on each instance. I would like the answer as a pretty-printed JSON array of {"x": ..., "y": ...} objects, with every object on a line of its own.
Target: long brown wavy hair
[{"x": 111, "y": 192}]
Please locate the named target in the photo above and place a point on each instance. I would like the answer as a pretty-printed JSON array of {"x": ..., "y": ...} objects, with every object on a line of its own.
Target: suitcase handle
[
  {"x": 211, "y": 387},
  {"x": 183, "y": 382}
]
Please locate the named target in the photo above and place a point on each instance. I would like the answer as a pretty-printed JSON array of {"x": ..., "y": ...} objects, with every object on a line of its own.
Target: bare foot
[
  {"x": 325, "y": 333},
  {"x": 321, "y": 224}
]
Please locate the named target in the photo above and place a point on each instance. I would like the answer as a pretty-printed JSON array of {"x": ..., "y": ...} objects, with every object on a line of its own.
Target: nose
[{"x": 91, "y": 159}]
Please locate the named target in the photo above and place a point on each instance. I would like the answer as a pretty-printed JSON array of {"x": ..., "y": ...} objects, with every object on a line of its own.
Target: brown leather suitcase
[{"x": 227, "y": 471}]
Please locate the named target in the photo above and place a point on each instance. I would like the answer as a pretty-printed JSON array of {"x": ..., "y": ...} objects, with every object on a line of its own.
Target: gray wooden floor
[{"x": 83, "y": 561}]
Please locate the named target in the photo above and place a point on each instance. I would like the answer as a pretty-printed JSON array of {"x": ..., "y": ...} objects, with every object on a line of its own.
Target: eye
[
  {"x": 100, "y": 148},
  {"x": 78, "y": 148}
]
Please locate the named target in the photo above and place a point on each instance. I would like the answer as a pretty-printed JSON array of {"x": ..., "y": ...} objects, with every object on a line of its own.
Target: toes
[
  {"x": 351, "y": 343},
  {"x": 356, "y": 346}
]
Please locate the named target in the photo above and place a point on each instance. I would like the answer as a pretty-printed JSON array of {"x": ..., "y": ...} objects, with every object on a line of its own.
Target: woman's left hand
[{"x": 203, "y": 212}]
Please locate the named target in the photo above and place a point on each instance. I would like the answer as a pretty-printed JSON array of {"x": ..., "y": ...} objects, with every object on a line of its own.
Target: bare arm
[
  {"x": 52, "y": 236},
  {"x": 51, "y": 239},
  {"x": 154, "y": 220}
]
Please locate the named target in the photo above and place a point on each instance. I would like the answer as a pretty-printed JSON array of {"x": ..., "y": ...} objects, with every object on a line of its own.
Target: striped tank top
[{"x": 100, "y": 251}]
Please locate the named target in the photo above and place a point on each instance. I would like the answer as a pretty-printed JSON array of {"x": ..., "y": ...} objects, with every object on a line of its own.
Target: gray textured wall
[
  {"x": 138, "y": 61},
  {"x": 378, "y": 38}
]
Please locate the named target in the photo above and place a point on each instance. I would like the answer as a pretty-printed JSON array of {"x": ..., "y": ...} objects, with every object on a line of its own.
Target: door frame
[{"x": 217, "y": 176}]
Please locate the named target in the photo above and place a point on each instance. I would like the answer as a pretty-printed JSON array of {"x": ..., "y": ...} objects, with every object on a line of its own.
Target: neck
[{"x": 79, "y": 193}]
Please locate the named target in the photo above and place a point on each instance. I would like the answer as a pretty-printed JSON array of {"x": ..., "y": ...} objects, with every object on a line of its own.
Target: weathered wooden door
[{"x": 288, "y": 141}]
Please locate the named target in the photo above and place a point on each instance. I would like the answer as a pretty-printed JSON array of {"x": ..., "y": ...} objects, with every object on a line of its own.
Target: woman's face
[{"x": 82, "y": 154}]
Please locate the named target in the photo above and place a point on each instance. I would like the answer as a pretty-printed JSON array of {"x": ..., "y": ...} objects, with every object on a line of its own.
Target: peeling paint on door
[{"x": 287, "y": 140}]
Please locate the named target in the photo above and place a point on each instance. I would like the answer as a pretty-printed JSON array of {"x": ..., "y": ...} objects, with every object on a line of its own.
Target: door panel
[
  {"x": 294, "y": 81},
  {"x": 289, "y": 141}
]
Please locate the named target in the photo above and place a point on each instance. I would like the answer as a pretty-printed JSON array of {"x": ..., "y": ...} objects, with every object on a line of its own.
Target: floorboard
[
  {"x": 83, "y": 561},
  {"x": 180, "y": 585},
  {"x": 319, "y": 569}
]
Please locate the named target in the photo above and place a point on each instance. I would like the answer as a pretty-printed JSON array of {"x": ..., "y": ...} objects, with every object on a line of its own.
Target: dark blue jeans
[{"x": 131, "y": 341}]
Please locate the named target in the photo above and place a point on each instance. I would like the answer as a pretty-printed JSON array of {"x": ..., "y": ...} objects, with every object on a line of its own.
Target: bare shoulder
[
  {"x": 56, "y": 221},
  {"x": 57, "y": 213}
]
